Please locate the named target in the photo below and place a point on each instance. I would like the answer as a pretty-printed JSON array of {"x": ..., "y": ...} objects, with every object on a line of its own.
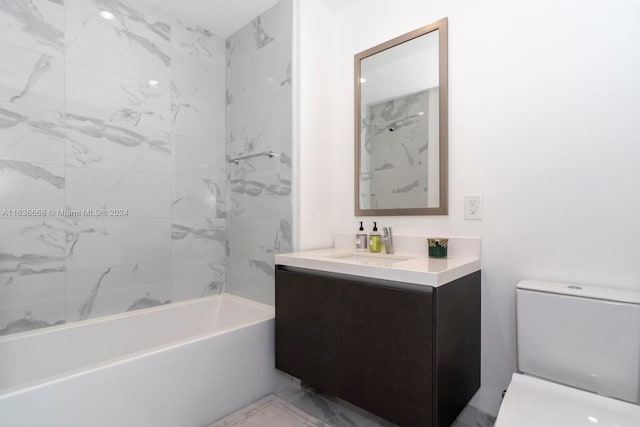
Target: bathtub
[{"x": 179, "y": 365}]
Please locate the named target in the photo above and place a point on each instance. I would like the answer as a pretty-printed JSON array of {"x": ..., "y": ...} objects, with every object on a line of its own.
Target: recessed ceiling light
[
  {"x": 363, "y": 80},
  {"x": 107, "y": 15},
  {"x": 593, "y": 419},
  {"x": 153, "y": 83},
  {"x": 421, "y": 113}
]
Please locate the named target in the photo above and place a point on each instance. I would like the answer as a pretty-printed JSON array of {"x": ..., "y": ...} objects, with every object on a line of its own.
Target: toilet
[{"x": 579, "y": 357}]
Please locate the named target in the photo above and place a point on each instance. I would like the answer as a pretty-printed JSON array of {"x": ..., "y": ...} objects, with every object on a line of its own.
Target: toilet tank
[{"x": 583, "y": 336}]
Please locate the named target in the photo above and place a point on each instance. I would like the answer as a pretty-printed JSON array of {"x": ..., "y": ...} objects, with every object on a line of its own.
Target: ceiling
[{"x": 223, "y": 17}]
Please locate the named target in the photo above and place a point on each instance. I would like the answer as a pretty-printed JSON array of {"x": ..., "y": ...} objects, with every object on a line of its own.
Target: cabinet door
[
  {"x": 307, "y": 328},
  {"x": 386, "y": 349}
]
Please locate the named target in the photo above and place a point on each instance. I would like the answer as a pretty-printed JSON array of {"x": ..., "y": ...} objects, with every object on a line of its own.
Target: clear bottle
[
  {"x": 361, "y": 239},
  {"x": 375, "y": 245}
]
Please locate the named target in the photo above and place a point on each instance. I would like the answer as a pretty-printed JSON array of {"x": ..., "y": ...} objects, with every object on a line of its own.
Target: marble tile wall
[
  {"x": 125, "y": 114},
  {"x": 259, "y": 114},
  {"x": 396, "y": 150}
]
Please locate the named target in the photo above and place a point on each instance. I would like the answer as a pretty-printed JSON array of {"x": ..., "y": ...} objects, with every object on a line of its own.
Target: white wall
[
  {"x": 313, "y": 204},
  {"x": 544, "y": 108}
]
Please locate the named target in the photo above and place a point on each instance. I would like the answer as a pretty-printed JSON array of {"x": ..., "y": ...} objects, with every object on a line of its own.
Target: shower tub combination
[{"x": 184, "y": 364}]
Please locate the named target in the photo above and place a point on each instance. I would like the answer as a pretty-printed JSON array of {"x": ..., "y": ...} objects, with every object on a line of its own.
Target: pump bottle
[
  {"x": 361, "y": 239},
  {"x": 375, "y": 245}
]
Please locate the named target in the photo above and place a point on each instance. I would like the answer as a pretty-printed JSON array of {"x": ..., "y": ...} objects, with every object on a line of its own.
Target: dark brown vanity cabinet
[
  {"x": 308, "y": 325},
  {"x": 408, "y": 353},
  {"x": 385, "y": 351}
]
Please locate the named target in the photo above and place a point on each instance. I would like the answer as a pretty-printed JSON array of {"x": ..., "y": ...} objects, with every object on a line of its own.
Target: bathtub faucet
[{"x": 387, "y": 239}]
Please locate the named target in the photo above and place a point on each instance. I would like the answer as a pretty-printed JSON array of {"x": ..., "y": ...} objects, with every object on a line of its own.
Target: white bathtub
[{"x": 180, "y": 365}]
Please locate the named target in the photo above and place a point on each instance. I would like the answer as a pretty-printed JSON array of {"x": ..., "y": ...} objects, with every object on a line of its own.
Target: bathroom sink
[{"x": 379, "y": 260}]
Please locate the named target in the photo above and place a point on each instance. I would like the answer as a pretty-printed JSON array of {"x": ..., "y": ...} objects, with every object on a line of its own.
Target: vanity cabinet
[
  {"x": 308, "y": 341},
  {"x": 408, "y": 353},
  {"x": 385, "y": 353}
]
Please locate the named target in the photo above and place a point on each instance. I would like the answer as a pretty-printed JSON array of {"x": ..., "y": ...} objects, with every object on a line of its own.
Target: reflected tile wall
[
  {"x": 122, "y": 114},
  {"x": 399, "y": 158},
  {"x": 259, "y": 110}
]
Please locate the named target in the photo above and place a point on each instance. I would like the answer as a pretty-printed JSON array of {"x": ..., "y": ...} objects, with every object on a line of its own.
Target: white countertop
[{"x": 417, "y": 269}]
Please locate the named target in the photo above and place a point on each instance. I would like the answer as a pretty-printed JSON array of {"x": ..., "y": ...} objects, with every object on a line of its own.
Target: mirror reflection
[{"x": 400, "y": 146}]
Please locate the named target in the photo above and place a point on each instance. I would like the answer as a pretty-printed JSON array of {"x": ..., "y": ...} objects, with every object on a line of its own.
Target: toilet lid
[{"x": 532, "y": 402}]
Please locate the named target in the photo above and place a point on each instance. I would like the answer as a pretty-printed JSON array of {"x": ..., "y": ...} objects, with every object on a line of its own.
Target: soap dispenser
[
  {"x": 361, "y": 239},
  {"x": 375, "y": 245}
]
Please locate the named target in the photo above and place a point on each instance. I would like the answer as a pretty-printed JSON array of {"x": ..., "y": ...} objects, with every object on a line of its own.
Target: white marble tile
[
  {"x": 405, "y": 186},
  {"x": 107, "y": 47},
  {"x": 257, "y": 195},
  {"x": 94, "y": 143},
  {"x": 259, "y": 55},
  {"x": 139, "y": 17},
  {"x": 31, "y": 246},
  {"x": 336, "y": 412},
  {"x": 258, "y": 239},
  {"x": 197, "y": 97},
  {"x": 473, "y": 417},
  {"x": 107, "y": 290},
  {"x": 399, "y": 159},
  {"x": 259, "y": 76},
  {"x": 31, "y": 78},
  {"x": 34, "y": 24},
  {"x": 259, "y": 111},
  {"x": 272, "y": 26},
  {"x": 261, "y": 124},
  {"x": 197, "y": 41},
  {"x": 199, "y": 158},
  {"x": 141, "y": 195},
  {"x": 251, "y": 279},
  {"x": 95, "y": 243},
  {"x": 193, "y": 278},
  {"x": 270, "y": 411},
  {"x": 116, "y": 100},
  {"x": 31, "y": 134},
  {"x": 197, "y": 198},
  {"x": 30, "y": 186},
  {"x": 31, "y": 302},
  {"x": 198, "y": 238}
]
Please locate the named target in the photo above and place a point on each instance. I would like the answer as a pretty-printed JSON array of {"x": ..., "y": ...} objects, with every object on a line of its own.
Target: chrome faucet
[{"x": 387, "y": 239}]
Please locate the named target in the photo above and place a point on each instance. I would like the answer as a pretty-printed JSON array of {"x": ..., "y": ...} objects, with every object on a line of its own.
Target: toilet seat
[{"x": 533, "y": 402}]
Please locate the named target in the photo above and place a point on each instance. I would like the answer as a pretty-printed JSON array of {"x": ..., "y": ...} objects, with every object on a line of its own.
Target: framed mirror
[{"x": 401, "y": 104}]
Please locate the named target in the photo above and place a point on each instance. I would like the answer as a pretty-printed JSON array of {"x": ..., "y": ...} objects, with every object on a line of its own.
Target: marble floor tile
[
  {"x": 271, "y": 411},
  {"x": 325, "y": 410},
  {"x": 338, "y": 413},
  {"x": 473, "y": 417}
]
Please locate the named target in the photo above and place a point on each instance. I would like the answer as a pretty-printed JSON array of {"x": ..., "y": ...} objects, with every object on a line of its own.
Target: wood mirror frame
[{"x": 442, "y": 208}]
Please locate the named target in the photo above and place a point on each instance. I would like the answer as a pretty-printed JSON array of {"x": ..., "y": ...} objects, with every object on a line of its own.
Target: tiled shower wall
[
  {"x": 127, "y": 114},
  {"x": 398, "y": 130},
  {"x": 400, "y": 152},
  {"x": 259, "y": 118}
]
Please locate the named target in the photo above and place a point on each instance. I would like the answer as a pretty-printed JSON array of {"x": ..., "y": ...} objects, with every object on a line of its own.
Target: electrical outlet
[{"x": 472, "y": 206}]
